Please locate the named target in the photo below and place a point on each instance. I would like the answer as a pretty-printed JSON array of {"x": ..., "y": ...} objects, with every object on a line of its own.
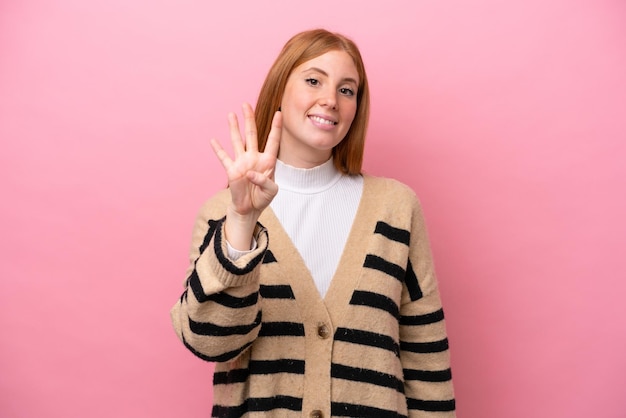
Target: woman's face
[{"x": 318, "y": 107}]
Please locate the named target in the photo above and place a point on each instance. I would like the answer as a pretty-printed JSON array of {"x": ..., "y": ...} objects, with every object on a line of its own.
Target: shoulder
[
  {"x": 215, "y": 206},
  {"x": 394, "y": 203},
  {"x": 390, "y": 190}
]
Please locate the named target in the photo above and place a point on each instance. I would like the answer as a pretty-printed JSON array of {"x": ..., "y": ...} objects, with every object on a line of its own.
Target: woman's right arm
[
  {"x": 218, "y": 317},
  {"x": 250, "y": 176}
]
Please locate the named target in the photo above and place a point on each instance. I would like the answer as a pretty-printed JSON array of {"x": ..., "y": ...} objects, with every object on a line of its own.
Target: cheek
[
  {"x": 295, "y": 103},
  {"x": 350, "y": 112}
]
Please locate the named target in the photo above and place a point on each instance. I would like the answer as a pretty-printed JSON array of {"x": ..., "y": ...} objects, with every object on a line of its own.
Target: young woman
[{"x": 311, "y": 285}]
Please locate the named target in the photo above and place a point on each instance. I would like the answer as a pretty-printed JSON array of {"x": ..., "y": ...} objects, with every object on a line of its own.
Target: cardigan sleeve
[
  {"x": 424, "y": 347},
  {"x": 218, "y": 315}
]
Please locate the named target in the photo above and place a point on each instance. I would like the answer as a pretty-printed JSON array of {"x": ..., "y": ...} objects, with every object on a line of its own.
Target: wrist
[{"x": 239, "y": 229}]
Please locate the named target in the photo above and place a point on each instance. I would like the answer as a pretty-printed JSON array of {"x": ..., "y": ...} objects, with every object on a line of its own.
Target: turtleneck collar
[{"x": 306, "y": 180}]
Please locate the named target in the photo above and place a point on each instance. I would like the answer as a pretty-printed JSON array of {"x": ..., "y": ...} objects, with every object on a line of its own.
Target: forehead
[{"x": 336, "y": 64}]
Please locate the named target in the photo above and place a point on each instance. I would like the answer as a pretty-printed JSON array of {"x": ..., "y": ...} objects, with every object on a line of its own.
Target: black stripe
[
  {"x": 277, "y": 292},
  {"x": 210, "y": 329},
  {"x": 269, "y": 257},
  {"x": 367, "y": 338},
  {"x": 231, "y": 376},
  {"x": 229, "y": 301},
  {"x": 395, "y": 234},
  {"x": 275, "y": 402},
  {"x": 412, "y": 284},
  {"x": 431, "y": 406},
  {"x": 193, "y": 280},
  {"x": 207, "y": 237},
  {"x": 428, "y": 375},
  {"x": 340, "y": 409},
  {"x": 276, "y": 366},
  {"x": 425, "y": 319},
  {"x": 278, "y": 329},
  {"x": 377, "y": 263},
  {"x": 432, "y": 347},
  {"x": 375, "y": 300},
  {"x": 221, "y": 358},
  {"x": 220, "y": 411},
  {"x": 257, "y": 405},
  {"x": 193, "y": 277},
  {"x": 196, "y": 287},
  {"x": 227, "y": 263},
  {"x": 373, "y": 377}
]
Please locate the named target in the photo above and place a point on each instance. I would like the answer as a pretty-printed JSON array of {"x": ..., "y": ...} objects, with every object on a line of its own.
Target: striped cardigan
[{"x": 375, "y": 346}]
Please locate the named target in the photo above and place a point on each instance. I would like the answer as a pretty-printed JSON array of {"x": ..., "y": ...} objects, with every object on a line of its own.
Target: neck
[
  {"x": 309, "y": 159},
  {"x": 306, "y": 180}
]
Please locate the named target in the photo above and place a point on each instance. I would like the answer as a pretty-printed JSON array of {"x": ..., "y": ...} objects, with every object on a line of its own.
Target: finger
[
  {"x": 235, "y": 134},
  {"x": 250, "y": 127},
  {"x": 266, "y": 185},
  {"x": 273, "y": 139},
  {"x": 269, "y": 172},
  {"x": 221, "y": 154}
]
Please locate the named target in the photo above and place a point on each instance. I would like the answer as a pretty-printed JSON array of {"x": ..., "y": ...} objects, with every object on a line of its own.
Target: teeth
[{"x": 322, "y": 120}]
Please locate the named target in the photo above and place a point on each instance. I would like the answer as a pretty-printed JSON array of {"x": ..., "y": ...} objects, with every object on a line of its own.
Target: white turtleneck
[{"x": 316, "y": 207}]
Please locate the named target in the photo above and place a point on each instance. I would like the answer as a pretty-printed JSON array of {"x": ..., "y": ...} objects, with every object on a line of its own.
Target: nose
[{"x": 329, "y": 98}]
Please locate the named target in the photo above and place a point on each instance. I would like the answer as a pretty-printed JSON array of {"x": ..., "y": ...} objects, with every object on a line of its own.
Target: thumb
[{"x": 265, "y": 183}]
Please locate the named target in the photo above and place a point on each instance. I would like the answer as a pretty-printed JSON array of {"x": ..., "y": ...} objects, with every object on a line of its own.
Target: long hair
[{"x": 348, "y": 154}]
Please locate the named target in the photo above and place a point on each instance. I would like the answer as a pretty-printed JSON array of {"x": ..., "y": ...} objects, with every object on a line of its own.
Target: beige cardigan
[{"x": 375, "y": 346}]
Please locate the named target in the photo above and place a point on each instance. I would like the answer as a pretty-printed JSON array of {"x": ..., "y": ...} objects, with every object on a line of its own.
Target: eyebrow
[{"x": 319, "y": 70}]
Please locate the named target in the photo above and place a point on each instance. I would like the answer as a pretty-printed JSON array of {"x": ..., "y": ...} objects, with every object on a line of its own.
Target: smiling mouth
[{"x": 321, "y": 120}]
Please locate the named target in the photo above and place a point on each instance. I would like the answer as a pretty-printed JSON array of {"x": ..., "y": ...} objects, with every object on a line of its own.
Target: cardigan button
[
  {"x": 316, "y": 413},
  {"x": 322, "y": 331}
]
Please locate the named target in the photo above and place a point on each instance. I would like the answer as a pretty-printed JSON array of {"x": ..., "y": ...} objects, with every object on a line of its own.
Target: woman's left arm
[{"x": 424, "y": 348}]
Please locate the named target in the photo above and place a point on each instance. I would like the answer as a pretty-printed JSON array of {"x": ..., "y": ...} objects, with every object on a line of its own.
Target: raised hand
[{"x": 250, "y": 175}]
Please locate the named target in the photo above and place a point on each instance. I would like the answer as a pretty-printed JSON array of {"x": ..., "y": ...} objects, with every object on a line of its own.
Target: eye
[
  {"x": 346, "y": 91},
  {"x": 312, "y": 81}
]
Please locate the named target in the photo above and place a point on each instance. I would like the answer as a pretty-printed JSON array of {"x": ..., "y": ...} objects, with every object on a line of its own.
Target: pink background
[{"x": 507, "y": 118}]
